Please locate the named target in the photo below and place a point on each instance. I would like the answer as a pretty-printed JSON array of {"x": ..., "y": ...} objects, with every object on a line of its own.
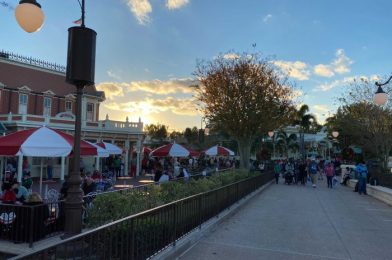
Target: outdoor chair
[
  {"x": 52, "y": 195},
  {"x": 6, "y": 221},
  {"x": 88, "y": 203}
]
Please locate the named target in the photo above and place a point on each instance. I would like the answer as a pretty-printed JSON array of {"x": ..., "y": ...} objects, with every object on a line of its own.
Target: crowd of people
[
  {"x": 302, "y": 171},
  {"x": 313, "y": 170},
  {"x": 168, "y": 168}
]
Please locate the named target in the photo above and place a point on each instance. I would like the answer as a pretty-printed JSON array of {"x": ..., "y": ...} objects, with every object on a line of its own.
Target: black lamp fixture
[
  {"x": 381, "y": 97},
  {"x": 80, "y": 73}
]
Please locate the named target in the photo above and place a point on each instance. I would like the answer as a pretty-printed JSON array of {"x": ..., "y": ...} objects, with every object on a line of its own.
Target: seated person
[
  {"x": 88, "y": 185},
  {"x": 27, "y": 181},
  {"x": 9, "y": 196},
  {"x": 346, "y": 176},
  {"x": 164, "y": 177},
  {"x": 20, "y": 191},
  {"x": 96, "y": 175}
]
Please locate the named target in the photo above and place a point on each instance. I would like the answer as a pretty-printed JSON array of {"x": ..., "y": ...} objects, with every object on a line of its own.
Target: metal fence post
[
  {"x": 200, "y": 213},
  {"x": 132, "y": 253},
  {"x": 31, "y": 229},
  {"x": 174, "y": 224}
]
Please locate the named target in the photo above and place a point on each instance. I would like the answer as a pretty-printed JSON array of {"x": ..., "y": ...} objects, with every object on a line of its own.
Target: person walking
[
  {"x": 49, "y": 168},
  {"x": 302, "y": 172},
  {"x": 362, "y": 173},
  {"x": 277, "y": 170},
  {"x": 329, "y": 172},
  {"x": 312, "y": 170}
]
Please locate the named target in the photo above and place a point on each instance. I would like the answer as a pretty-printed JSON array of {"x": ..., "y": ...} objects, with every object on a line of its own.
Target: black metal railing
[
  {"x": 32, "y": 61},
  {"x": 30, "y": 223},
  {"x": 23, "y": 223},
  {"x": 145, "y": 234}
]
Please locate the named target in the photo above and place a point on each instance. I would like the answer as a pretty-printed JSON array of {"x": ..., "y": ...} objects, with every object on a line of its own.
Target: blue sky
[{"x": 147, "y": 49}]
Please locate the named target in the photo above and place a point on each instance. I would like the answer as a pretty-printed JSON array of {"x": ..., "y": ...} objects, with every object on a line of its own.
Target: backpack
[{"x": 313, "y": 168}]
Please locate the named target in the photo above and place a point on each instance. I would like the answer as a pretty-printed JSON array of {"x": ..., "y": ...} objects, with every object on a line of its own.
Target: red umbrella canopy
[
  {"x": 218, "y": 150},
  {"x": 172, "y": 150},
  {"x": 193, "y": 153},
  {"x": 42, "y": 142},
  {"x": 145, "y": 150}
]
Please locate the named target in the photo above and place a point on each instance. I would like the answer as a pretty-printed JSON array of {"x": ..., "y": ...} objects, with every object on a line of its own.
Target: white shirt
[
  {"x": 164, "y": 178},
  {"x": 186, "y": 174}
]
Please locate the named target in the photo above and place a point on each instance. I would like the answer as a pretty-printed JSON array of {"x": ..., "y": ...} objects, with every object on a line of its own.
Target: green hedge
[{"x": 115, "y": 205}]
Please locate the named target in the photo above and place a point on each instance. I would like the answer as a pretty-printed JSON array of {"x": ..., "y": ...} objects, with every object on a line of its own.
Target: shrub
[{"x": 115, "y": 205}]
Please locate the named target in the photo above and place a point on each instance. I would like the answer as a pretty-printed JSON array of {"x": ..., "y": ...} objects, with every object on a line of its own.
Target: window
[
  {"x": 90, "y": 112},
  {"x": 47, "y": 106},
  {"x": 23, "y": 103},
  {"x": 68, "y": 106}
]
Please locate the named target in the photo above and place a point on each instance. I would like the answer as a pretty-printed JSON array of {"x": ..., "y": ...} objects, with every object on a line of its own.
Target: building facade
[{"x": 34, "y": 93}]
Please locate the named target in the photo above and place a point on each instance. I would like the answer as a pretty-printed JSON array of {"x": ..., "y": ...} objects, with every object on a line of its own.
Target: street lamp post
[
  {"x": 80, "y": 73},
  {"x": 380, "y": 97},
  {"x": 271, "y": 135}
]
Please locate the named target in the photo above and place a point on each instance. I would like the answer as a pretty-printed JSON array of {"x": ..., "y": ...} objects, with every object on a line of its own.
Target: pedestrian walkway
[{"x": 296, "y": 222}]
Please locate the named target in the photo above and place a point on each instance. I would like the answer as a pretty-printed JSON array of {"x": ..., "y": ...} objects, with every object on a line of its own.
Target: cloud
[
  {"x": 111, "y": 89},
  {"x": 342, "y": 63},
  {"x": 179, "y": 106},
  {"x": 344, "y": 82},
  {"x": 113, "y": 75},
  {"x": 176, "y": 4},
  {"x": 321, "y": 108},
  {"x": 141, "y": 10},
  {"x": 336, "y": 83},
  {"x": 231, "y": 56},
  {"x": 323, "y": 70},
  {"x": 297, "y": 69},
  {"x": 267, "y": 18},
  {"x": 163, "y": 87}
]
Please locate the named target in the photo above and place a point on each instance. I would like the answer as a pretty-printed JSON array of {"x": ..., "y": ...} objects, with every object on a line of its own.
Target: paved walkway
[{"x": 296, "y": 222}]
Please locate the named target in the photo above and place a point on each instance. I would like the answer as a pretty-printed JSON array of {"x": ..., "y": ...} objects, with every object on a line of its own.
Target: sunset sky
[{"x": 147, "y": 49}]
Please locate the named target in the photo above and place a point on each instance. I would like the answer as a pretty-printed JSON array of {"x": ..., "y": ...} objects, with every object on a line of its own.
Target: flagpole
[{"x": 83, "y": 10}]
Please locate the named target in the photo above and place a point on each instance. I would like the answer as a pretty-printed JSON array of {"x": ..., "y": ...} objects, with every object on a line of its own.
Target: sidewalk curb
[{"x": 190, "y": 240}]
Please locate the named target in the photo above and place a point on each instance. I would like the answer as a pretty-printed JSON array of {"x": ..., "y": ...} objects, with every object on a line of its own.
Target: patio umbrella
[
  {"x": 146, "y": 150},
  {"x": 193, "y": 153},
  {"x": 100, "y": 151},
  {"x": 110, "y": 148},
  {"x": 42, "y": 142},
  {"x": 172, "y": 150},
  {"x": 218, "y": 150}
]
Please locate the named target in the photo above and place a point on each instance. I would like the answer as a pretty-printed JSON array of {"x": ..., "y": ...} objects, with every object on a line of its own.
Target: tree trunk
[{"x": 244, "y": 150}]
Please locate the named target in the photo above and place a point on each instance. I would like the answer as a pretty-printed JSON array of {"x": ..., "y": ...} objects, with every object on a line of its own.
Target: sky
[{"x": 147, "y": 50}]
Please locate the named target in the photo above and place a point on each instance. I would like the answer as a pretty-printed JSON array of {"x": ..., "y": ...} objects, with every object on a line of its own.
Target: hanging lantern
[{"x": 29, "y": 15}]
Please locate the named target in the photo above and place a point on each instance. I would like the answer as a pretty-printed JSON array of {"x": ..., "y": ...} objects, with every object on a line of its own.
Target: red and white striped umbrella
[
  {"x": 146, "y": 150},
  {"x": 42, "y": 142},
  {"x": 172, "y": 150},
  {"x": 110, "y": 148},
  {"x": 218, "y": 150}
]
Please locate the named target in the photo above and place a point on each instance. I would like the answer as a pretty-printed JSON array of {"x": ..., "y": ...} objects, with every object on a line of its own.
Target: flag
[{"x": 79, "y": 21}]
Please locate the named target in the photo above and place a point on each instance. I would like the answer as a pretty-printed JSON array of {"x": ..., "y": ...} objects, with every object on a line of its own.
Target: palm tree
[
  {"x": 286, "y": 141},
  {"x": 305, "y": 121}
]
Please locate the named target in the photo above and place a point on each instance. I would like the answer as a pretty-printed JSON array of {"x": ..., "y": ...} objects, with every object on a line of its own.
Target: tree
[
  {"x": 286, "y": 142},
  {"x": 306, "y": 122},
  {"x": 362, "y": 123},
  {"x": 368, "y": 126},
  {"x": 157, "y": 132},
  {"x": 191, "y": 134},
  {"x": 245, "y": 96}
]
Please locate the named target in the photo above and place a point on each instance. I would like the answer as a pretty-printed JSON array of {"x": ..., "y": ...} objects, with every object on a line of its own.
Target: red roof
[{"x": 15, "y": 75}]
